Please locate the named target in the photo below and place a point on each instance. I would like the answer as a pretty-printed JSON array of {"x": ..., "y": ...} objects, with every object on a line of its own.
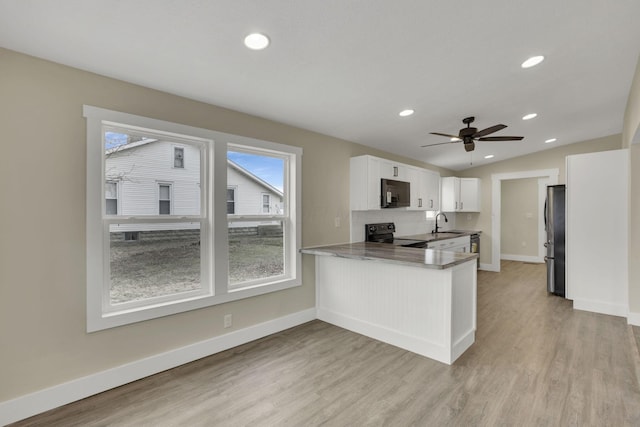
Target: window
[
  {"x": 231, "y": 200},
  {"x": 111, "y": 197},
  {"x": 151, "y": 250},
  {"x": 178, "y": 157},
  {"x": 260, "y": 241},
  {"x": 164, "y": 199}
]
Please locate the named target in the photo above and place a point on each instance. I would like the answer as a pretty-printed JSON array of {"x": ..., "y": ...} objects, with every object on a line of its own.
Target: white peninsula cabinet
[
  {"x": 460, "y": 194},
  {"x": 364, "y": 184}
]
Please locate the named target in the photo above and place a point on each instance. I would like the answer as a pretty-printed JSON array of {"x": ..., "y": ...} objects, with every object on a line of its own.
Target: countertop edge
[{"x": 338, "y": 251}]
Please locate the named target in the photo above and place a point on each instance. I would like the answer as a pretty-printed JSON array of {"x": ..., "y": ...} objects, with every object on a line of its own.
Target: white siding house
[{"x": 154, "y": 177}]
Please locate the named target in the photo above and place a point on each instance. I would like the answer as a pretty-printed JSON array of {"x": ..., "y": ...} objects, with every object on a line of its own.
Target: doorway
[{"x": 546, "y": 177}]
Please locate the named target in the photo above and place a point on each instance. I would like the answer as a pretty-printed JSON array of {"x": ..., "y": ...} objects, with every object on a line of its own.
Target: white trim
[
  {"x": 487, "y": 267},
  {"x": 601, "y": 307},
  {"x": 496, "y": 204},
  {"x": 521, "y": 258},
  {"x": 633, "y": 318},
  {"x": 213, "y": 217},
  {"x": 62, "y": 394}
]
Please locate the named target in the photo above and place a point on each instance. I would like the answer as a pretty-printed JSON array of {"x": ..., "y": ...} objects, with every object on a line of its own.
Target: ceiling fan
[{"x": 469, "y": 135}]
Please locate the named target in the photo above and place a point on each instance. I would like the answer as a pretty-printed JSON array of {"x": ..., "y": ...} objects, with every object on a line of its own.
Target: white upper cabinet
[
  {"x": 366, "y": 172},
  {"x": 364, "y": 183},
  {"x": 425, "y": 189},
  {"x": 460, "y": 194},
  {"x": 393, "y": 170}
]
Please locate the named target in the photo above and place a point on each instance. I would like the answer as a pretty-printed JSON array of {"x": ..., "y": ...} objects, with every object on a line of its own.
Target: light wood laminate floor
[{"x": 535, "y": 361}]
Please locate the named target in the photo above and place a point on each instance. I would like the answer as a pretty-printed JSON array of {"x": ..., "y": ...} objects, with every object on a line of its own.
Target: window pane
[
  {"x": 165, "y": 192},
  {"x": 139, "y": 162},
  {"x": 258, "y": 178},
  {"x": 111, "y": 190},
  {"x": 178, "y": 157},
  {"x": 112, "y": 206},
  {"x": 164, "y": 259},
  {"x": 165, "y": 207},
  {"x": 256, "y": 251}
]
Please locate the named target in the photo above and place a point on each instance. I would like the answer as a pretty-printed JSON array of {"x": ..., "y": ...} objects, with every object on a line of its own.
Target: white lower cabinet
[
  {"x": 457, "y": 244},
  {"x": 460, "y": 194}
]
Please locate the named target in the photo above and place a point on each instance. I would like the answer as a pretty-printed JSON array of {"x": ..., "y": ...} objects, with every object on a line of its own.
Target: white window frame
[
  {"x": 170, "y": 185},
  {"x": 235, "y": 196},
  {"x": 268, "y": 206},
  {"x": 173, "y": 158},
  {"x": 213, "y": 220},
  {"x": 117, "y": 199}
]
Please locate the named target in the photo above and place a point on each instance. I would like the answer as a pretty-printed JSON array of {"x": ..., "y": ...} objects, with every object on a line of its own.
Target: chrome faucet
[{"x": 445, "y": 220}]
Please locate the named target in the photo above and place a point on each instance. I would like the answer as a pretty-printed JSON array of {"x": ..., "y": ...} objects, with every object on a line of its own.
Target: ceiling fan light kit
[{"x": 469, "y": 135}]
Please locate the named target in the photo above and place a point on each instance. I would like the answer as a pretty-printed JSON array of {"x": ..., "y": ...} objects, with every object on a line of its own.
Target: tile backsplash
[{"x": 407, "y": 222}]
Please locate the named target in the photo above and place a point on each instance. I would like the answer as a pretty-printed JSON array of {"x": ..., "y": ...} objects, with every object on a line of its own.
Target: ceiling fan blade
[
  {"x": 488, "y": 130},
  {"x": 441, "y": 143},
  {"x": 501, "y": 138},
  {"x": 445, "y": 134}
]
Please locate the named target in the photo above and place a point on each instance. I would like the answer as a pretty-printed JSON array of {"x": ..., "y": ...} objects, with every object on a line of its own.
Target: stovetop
[{"x": 383, "y": 233}]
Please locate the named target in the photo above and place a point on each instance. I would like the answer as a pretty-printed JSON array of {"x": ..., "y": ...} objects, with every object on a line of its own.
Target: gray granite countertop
[{"x": 384, "y": 252}]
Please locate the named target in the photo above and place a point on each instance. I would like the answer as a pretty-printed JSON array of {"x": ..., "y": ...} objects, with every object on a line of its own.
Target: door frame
[{"x": 550, "y": 177}]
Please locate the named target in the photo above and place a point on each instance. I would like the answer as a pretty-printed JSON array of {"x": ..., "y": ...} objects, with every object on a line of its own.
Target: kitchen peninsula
[{"x": 422, "y": 300}]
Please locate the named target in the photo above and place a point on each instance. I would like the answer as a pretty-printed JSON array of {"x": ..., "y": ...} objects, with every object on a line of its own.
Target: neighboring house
[{"x": 154, "y": 177}]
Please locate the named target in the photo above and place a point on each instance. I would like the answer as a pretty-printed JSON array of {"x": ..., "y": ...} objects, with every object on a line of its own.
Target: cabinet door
[
  {"x": 364, "y": 183},
  {"x": 469, "y": 195},
  {"x": 431, "y": 193},
  {"x": 415, "y": 178},
  {"x": 450, "y": 194},
  {"x": 393, "y": 170}
]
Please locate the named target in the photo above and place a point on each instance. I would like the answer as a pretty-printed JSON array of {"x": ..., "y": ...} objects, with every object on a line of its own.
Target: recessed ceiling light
[
  {"x": 550, "y": 140},
  {"x": 489, "y": 156},
  {"x": 405, "y": 113},
  {"x": 529, "y": 116},
  {"x": 256, "y": 41},
  {"x": 532, "y": 62}
]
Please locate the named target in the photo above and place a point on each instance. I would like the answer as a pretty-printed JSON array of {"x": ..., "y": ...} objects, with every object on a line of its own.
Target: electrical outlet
[
  {"x": 337, "y": 221},
  {"x": 228, "y": 320}
]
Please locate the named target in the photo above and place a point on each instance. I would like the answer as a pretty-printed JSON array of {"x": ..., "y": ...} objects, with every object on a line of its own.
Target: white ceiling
[{"x": 347, "y": 67}]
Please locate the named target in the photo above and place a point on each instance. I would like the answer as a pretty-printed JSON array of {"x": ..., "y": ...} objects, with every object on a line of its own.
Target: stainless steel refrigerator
[{"x": 554, "y": 222}]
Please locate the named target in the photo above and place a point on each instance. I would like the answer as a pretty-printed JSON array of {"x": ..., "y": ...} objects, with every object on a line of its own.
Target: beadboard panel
[{"x": 410, "y": 307}]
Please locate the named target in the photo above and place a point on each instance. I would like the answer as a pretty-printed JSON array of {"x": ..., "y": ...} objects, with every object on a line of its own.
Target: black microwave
[{"x": 394, "y": 194}]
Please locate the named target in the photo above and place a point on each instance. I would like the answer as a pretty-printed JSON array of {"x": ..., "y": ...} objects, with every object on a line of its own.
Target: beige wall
[
  {"x": 42, "y": 243},
  {"x": 519, "y": 216},
  {"x": 631, "y": 132},
  {"x": 549, "y": 159}
]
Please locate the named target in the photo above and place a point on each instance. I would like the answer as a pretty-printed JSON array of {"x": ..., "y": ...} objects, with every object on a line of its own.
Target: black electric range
[{"x": 383, "y": 233}]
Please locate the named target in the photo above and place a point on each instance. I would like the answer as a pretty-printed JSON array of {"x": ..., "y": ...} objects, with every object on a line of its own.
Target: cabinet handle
[
  {"x": 461, "y": 205},
  {"x": 395, "y": 171},
  {"x": 456, "y": 205},
  {"x": 419, "y": 203},
  {"x": 430, "y": 203}
]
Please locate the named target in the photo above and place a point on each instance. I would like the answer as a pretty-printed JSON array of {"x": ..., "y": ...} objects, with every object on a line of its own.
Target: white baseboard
[
  {"x": 522, "y": 258},
  {"x": 633, "y": 318},
  {"x": 488, "y": 267},
  {"x": 62, "y": 394},
  {"x": 432, "y": 350},
  {"x": 600, "y": 307}
]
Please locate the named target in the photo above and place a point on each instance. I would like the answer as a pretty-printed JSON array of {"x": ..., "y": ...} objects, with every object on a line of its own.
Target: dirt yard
[{"x": 144, "y": 269}]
